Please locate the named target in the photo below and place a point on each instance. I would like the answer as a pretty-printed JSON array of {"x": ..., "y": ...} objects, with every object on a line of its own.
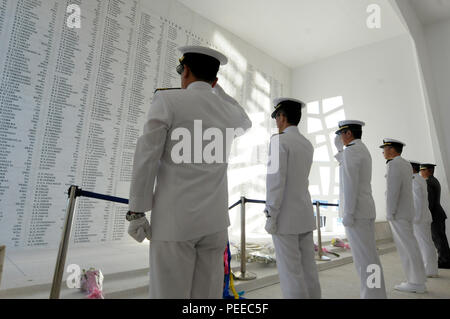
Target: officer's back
[
  {"x": 191, "y": 191},
  {"x": 360, "y": 158},
  {"x": 400, "y": 188},
  {"x": 296, "y": 213},
  {"x": 434, "y": 198}
]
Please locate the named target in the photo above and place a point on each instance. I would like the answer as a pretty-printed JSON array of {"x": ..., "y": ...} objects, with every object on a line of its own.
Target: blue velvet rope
[{"x": 82, "y": 193}]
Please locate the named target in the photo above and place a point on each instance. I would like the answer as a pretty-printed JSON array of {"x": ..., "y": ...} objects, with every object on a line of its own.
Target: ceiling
[
  {"x": 297, "y": 32},
  {"x": 431, "y": 11}
]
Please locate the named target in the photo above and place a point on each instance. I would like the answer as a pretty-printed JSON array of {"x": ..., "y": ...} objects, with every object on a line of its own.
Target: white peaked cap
[
  {"x": 389, "y": 141},
  {"x": 347, "y": 124},
  {"x": 351, "y": 122},
  {"x": 279, "y": 100},
  {"x": 204, "y": 50},
  {"x": 277, "y": 104}
]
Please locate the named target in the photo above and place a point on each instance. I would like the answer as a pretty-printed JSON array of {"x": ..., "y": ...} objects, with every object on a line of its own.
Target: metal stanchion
[
  {"x": 243, "y": 274},
  {"x": 2, "y": 258},
  {"x": 61, "y": 260},
  {"x": 321, "y": 256}
]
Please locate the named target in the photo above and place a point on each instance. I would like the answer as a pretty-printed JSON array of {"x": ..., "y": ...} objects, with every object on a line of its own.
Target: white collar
[
  {"x": 355, "y": 141},
  {"x": 199, "y": 85},
  {"x": 291, "y": 128}
]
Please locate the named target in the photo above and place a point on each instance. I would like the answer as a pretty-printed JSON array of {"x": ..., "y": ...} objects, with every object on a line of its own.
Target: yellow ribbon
[{"x": 235, "y": 294}]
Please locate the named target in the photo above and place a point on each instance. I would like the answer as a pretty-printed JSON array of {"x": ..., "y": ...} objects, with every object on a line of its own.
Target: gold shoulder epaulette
[{"x": 164, "y": 89}]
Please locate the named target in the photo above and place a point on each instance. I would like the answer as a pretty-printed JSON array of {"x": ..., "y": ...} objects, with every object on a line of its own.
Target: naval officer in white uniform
[
  {"x": 189, "y": 203},
  {"x": 289, "y": 211},
  {"x": 422, "y": 222},
  {"x": 400, "y": 214},
  {"x": 357, "y": 207}
]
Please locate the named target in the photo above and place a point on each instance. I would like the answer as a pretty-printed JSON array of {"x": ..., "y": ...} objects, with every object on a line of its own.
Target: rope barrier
[{"x": 74, "y": 192}]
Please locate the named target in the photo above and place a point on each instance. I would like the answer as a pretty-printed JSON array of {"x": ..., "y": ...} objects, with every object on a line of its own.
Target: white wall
[
  {"x": 379, "y": 85},
  {"x": 437, "y": 37},
  {"x": 431, "y": 64}
]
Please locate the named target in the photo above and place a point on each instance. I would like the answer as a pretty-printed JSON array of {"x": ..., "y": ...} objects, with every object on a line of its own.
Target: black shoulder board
[
  {"x": 164, "y": 89},
  {"x": 350, "y": 145},
  {"x": 277, "y": 134}
]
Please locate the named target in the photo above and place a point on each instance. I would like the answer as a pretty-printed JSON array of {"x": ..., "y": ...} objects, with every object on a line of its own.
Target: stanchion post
[
  {"x": 2, "y": 258},
  {"x": 62, "y": 252},
  {"x": 243, "y": 274},
  {"x": 319, "y": 235}
]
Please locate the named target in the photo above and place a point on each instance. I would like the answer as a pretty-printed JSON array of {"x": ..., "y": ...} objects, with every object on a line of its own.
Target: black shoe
[{"x": 444, "y": 265}]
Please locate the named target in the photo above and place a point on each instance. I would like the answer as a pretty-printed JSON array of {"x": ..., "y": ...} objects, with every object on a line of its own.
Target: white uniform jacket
[
  {"x": 420, "y": 192},
  {"x": 399, "y": 194},
  {"x": 355, "y": 175},
  {"x": 287, "y": 196},
  {"x": 190, "y": 198}
]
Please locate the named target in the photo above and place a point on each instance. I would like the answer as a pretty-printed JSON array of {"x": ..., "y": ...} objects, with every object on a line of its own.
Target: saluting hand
[{"x": 338, "y": 143}]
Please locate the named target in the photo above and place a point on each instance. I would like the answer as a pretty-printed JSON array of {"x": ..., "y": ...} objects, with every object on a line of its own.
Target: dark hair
[
  {"x": 415, "y": 167},
  {"x": 398, "y": 148},
  {"x": 203, "y": 67},
  {"x": 292, "y": 111},
  {"x": 292, "y": 116},
  {"x": 357, "y": 134}
]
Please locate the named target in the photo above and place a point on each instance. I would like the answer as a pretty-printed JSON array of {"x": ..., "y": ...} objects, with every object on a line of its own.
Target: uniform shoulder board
[
  {"x": 277, "y": 134},
  {"x": 165, "y": 89},
  {"x": 387, "y": 162},
  {"x": 350, "y": 144}
]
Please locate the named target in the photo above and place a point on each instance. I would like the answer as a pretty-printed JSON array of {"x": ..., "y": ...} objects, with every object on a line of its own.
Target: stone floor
[
  {"x": 343, "y": 283},
  {"x": 28, "y": 275}
]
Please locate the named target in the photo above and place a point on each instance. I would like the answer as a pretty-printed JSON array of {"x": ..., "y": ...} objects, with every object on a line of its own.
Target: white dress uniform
[
  {"x": 288, "y": 202},
  {"x": 189, "y": 204},
  {"x": 356, "y": 202},
  {"x": 422, "y": 226},
  {"x": 400, "y": 214}
]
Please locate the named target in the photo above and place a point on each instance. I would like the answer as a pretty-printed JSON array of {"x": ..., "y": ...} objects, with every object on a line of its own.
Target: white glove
[
  {"x": 140, "y": 229},
  {"x": 271, "y": 226},
  {"x": 338, "y": 143},
  {"x": 348, "y": 220}
]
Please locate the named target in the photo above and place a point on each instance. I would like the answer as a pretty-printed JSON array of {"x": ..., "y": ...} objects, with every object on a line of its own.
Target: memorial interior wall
[{"x": 73, "y": 102}]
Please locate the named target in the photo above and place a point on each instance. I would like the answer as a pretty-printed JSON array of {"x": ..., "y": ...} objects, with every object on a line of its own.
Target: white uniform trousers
[
  {"x": 296, "y": 266},
  {"x": 361, "y": 237},
  {"x": 422, "y": 232},
  {"x": 408, "y": 250},
  {"x": 190, "y": 269}
]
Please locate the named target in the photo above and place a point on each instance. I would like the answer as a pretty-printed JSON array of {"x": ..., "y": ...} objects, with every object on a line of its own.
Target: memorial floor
[
  {"x": 342, "y": 282},
  {"x": 125, "y": 269}
]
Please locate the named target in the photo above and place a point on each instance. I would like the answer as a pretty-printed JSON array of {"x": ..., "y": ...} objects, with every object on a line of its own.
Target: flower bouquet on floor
[
  {"x": 336, "y": 242},
  {"x": 91, "y": 282},
  {"x": 324, "y": 250}
]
